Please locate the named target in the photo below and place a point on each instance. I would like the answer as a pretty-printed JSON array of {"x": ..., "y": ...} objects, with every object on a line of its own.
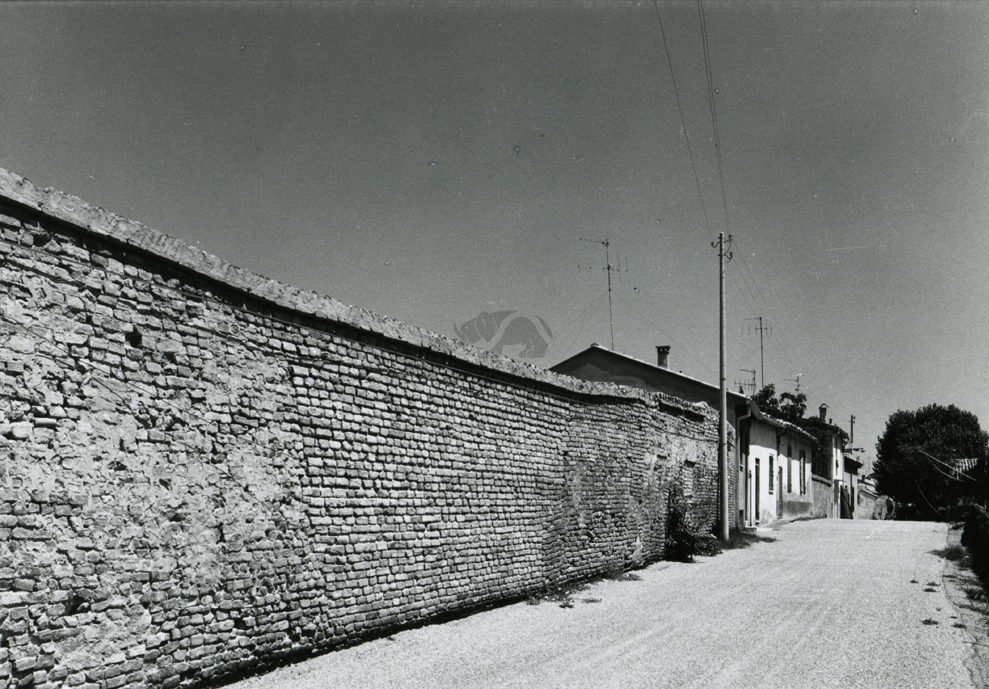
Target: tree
[
  {"x": 766, "y": 400},
  {"x": 916, "y": 460},
  {"x": 789, "y": 407}
]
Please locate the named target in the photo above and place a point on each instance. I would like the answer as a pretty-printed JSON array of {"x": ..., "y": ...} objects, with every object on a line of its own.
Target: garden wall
[
  {"x": 204, "y": 472},
  {"x": 823, "y": 491}
]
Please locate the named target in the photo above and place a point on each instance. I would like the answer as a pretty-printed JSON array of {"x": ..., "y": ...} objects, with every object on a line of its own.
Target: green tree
[
  {"x": 916, "y": 456},
  {"x": 767, "y": 401},
  {"x": 789, "y": 406}
]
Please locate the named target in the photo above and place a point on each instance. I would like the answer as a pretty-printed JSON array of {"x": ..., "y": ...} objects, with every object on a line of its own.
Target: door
[
  {"x": 749, "y": 498},
  {"x": 779, "y": 493},
  {"x": 758, "y": 481}
]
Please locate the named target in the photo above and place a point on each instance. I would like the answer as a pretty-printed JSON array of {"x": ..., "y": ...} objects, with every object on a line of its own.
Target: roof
[
  {"x": 778, "y": 423},
  {"x": 598, "y": 350}
]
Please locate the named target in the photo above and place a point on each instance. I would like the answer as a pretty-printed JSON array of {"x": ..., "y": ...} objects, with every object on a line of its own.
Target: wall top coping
[{"x": 97, "y": 222}]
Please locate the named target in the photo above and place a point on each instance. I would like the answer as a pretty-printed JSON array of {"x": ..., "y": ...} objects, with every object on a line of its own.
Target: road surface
[{"x": 827, "y": 603}]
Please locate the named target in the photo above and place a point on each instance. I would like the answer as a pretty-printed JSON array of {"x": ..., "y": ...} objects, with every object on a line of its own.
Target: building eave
[{"x": 735, "y": 397}]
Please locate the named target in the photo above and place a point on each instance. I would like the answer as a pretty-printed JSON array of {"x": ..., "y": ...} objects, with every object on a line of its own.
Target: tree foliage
[
  {"x": 788, "y": 406},
  {"x": 916, "y": 454},
  {"x": 792, "y": 406}
]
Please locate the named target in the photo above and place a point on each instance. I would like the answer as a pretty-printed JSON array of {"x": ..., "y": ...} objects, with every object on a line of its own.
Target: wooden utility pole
[{"x": 723, "y": 257}]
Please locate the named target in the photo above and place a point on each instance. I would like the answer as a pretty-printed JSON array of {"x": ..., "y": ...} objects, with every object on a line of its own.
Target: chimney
[
  {"x": 824, "y": 412},
  {"x": 663, "y": 356}
]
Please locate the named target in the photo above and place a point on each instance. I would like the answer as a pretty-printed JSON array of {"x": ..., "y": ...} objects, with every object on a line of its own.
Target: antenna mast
[
  {"x": 753, "y": 372},
  {"x": 762, "y": 356},
  {"x": 606, "y": 243}
]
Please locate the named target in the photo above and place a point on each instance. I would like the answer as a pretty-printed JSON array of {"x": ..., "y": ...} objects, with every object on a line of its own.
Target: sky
[{"x": 434, "y": 161}]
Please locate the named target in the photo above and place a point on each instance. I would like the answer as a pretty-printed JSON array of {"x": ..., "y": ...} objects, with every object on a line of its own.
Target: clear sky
[{"x": 436, "y": 160}]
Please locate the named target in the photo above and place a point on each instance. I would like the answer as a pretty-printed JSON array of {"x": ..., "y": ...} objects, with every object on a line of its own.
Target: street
[{"x": 825, "y": 603}]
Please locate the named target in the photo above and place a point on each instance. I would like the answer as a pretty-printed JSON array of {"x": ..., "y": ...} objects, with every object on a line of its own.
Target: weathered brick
[{"x": 239, "y": 481}]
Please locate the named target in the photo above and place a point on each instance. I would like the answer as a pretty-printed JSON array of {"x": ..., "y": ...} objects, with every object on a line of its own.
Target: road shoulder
[{"x": 971, "y": 603}]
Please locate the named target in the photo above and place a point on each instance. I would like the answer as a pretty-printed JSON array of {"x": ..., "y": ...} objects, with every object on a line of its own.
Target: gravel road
[{"x": 827, "y": 603}]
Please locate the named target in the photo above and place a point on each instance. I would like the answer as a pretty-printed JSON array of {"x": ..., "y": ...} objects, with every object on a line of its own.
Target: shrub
[{"x": 681, "y": 540}]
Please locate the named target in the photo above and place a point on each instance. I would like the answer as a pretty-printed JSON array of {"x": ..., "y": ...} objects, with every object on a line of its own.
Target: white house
[{"x": 774, "y": 469}]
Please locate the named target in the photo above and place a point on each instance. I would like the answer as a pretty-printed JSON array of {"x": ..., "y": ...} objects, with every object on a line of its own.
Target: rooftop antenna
[
  {"x": 762, "y": 356},
  {"x": 608, "y": 268},
  {"x": 753, "y": 372},
  {"x": 795, "y": 380}
]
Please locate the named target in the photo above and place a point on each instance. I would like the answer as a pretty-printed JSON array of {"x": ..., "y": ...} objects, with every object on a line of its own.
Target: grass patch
[
  {"x": 929, "y": 621},
  {"x": 976, "y": 594},
  {"x": 743, "y": 539},
  {"x": 625, "y": 576},
  {"x": 954, "y": 553},
  {"x": 557, "y": 594}
]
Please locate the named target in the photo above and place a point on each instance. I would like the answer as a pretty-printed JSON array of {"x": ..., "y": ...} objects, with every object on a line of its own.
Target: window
[
  {"x": 771, "y": 472},
  {"x": 789, "y": 472}
]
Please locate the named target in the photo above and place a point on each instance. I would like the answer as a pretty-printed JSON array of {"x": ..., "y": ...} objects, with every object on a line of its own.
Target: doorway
[{"x": 757, "y": 482}]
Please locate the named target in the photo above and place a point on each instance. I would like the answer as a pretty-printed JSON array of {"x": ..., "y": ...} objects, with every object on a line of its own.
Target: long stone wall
[{"x": 203, "y": 472}]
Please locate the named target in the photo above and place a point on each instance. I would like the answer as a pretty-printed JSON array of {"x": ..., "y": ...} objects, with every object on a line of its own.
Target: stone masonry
[{"x": 204, "y": 472}]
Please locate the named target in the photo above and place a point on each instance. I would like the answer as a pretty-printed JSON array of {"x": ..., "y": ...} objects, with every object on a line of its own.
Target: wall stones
[{"x": 203, "y": 472}]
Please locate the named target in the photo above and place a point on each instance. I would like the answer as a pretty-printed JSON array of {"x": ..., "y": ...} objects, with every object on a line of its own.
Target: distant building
[
  {"x": 835, "y": 476},
  {"x": 868, "y": 504}
]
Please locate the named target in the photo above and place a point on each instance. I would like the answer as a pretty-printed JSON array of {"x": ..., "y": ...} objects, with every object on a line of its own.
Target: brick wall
[{"x": 203, "y": 472}]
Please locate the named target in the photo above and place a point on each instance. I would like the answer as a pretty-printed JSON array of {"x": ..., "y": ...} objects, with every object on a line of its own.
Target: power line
[
  {"x": 596, "y": 303},
  {"x": 683, "y": 123},
  {"x": 954, "y": 468},
  {"x": 680, "y": 346},
  {"x": 714, "y": 109},
  {"x": 783, "y": 345}
]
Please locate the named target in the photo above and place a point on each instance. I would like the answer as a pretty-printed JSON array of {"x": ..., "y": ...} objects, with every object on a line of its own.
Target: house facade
[
  {"x": 774, "y": 469},
  {"x": 835, "y": 476}
]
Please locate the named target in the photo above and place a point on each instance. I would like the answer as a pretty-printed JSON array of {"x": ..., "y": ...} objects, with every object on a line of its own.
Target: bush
[
  {"x": 681, "y": 541},
  {"x": 975, "y": 538}
]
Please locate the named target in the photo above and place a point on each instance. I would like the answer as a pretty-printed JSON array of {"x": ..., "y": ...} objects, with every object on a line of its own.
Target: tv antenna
[
  {"x": 608, "y": 269},
  {"x": 762, "y": 354},
  {"x": 796, "y": 380},
  {"x": 747, "y": 384}
]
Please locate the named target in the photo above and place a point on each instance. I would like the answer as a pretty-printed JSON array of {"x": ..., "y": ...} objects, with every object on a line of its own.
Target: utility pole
[
  {"x": 724, "y": 255},
  {"x": 607, "y": 269},
  {"x": 762, "y": 357}
]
